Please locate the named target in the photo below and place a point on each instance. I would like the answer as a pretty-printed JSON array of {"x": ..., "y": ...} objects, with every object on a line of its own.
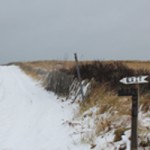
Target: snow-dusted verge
[{"x": 99, "y": 130}]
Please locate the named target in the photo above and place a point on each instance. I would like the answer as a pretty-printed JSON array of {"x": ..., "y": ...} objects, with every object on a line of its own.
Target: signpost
[
  {"x": 134, "y": 80},
  {"x": 134, "y": 92}
]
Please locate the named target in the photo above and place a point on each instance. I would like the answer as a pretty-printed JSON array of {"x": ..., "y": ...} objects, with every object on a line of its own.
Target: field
[{"x": 112, "y": 113}]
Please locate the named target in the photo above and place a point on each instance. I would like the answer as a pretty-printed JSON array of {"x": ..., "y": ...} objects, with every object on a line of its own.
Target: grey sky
[{"x": 55, "y": 29}]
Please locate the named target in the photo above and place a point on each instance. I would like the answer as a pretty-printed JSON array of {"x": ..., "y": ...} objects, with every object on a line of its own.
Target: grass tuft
[{"x": 118, "y": 134}]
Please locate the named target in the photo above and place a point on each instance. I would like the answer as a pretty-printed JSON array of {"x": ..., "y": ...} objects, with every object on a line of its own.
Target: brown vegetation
[
  {"x": 104, "y": 92},
  {"x": 118, "y": 134}
]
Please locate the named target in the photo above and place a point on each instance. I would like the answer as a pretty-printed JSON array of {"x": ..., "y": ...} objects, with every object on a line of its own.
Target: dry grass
[
  {"x": 118, "y": 133},
  {"x": 106, "y": 101},
  {"x": 145, "y": 103},
  {"x": 50, "y": 64},
  {"x": 55, "y": 65},
  {"x": 102, "y": 125},
  {"x": 93, "y": 99},
  {"x": 134, "y": 64},
  {"x": 31, "y": 68},
  {"x": 138, "y": 64},
  {"x": 29, "y": 71},
  {"x": 101, "y": 95}
]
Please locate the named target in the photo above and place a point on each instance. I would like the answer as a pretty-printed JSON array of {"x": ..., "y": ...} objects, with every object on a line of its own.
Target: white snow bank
[{"x": 30, "y": 117}]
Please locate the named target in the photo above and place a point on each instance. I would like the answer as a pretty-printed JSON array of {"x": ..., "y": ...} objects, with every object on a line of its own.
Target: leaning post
[{"x": 79, "y": 76}]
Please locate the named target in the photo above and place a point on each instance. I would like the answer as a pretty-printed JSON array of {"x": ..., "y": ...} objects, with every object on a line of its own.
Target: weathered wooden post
[
  {"x": 134, "y": 92},
  {"x": 134, "y": 125},
  {"x": 79, "y": 75}
]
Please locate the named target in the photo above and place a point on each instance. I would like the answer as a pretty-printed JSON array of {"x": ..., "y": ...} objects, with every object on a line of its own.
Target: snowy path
[{"x": 30, "y": 117}]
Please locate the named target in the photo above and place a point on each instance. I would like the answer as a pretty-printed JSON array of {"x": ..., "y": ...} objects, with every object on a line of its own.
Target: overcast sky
[{"x": 55, "y": 29}]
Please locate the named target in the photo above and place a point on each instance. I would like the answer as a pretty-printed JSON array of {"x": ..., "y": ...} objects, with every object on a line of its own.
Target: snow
[{"x": 30, "y": 117}]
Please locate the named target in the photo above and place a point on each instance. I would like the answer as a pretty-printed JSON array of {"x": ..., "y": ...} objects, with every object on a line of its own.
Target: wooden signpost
[
  {"x": 134, "y": 80},
  {"x": 134, "y": 92}
]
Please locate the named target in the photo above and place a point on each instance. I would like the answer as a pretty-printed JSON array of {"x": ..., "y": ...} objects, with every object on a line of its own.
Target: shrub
[
  {"x": 110, "y": 73},
  {"x": 59, "y": 82}
]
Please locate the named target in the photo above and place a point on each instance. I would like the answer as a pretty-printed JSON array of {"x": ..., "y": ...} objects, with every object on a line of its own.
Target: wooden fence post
[{"x": 79, "y": 76}]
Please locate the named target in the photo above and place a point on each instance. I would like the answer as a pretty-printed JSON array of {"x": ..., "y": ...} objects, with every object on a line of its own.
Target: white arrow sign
[{"x": 134, "y": 80}]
